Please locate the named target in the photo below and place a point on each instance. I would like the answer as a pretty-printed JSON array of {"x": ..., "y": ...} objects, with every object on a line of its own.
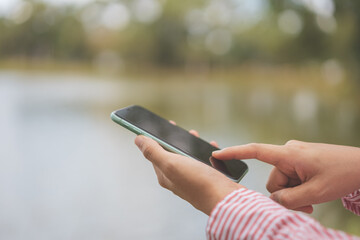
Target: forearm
[{"x": 245, "y": 214}]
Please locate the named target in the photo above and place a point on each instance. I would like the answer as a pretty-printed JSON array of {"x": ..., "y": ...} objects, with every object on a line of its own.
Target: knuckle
[
  {"x": 296, "y": 145},
  {"x": 292, "y": 142},
  {"x": 148, "y": 152},
  {"x": 253, "y": 145},
  {"x": 285, "y": 200},
  {"x": 254, "y": 148},
  {"x": 268, "y": 187},
  {"x": 165, "y": 182},
  {"x": 162, "y": 182}
]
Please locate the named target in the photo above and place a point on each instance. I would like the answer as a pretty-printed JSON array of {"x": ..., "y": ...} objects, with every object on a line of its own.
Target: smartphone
[{"x": 176, "y": 139}]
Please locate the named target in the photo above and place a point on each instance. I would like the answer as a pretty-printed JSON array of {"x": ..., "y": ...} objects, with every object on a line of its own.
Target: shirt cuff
[
  {"x": 352, "y": 202},
  {"x": 245, "y": 214},
  {"x": 236, "y": 213}
]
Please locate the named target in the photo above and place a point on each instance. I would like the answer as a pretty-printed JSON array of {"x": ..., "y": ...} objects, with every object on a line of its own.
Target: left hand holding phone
[{"x": 201, "y": 185}]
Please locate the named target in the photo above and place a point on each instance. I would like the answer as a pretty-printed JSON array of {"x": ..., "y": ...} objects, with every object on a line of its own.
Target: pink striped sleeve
[
  {"x": 352, "y": 202},
  {"x": 245, "y": 214}
]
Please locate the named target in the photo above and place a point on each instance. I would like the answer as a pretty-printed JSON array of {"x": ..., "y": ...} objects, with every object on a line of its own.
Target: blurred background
[{"x": 238, "y": 71}]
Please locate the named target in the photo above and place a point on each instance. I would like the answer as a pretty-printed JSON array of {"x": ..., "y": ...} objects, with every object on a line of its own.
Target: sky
[
  {"x": 8, "y": 6},
  {"x": 323, "y": 8}
]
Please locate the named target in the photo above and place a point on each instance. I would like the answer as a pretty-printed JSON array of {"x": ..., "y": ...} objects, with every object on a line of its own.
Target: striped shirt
[
  {"x": 246, "y": 214},
  {"x": 352, "y": 202}
]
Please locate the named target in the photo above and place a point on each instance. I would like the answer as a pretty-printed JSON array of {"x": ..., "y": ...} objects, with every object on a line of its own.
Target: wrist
[{"x": 219, "y": 194}]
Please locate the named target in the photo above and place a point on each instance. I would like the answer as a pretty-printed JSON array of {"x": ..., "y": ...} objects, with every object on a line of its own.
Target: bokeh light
[
  {"x": 290, "y": 22},
  {"x": 115, "y": 16},
  {"x": 147, "y": 11}
]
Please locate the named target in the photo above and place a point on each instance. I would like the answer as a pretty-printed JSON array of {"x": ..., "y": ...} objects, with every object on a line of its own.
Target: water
[{"x": 68, "y": 172}]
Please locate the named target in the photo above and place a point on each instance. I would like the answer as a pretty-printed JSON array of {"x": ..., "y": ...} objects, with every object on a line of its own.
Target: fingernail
[{"x": 216, "y": 152}]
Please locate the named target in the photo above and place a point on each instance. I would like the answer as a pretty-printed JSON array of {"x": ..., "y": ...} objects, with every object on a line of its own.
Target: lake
[{"x": 68, "y": 172}]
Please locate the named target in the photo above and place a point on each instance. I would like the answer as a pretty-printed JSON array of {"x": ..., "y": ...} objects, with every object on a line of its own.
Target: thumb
[
  {"x": 151, "y": 150},
  {"x": 295, "y": 197}
]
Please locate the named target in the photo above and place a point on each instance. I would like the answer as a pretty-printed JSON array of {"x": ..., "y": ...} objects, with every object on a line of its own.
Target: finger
[
  {"x": 172, "y": 122},
  {"x": 268, "y": 153},
  {"x": 295, "y": 197},
  {"x": 152, "y": 150},
  {"x": 214, "y": 144},
  {"x": 194, "y": 132},
  {"x": 277, "y": 180},
  {"x": 306, "y": 209}
]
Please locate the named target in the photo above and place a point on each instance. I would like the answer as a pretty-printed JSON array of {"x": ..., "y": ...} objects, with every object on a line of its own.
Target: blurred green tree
[{"x": 288, "y": 32}]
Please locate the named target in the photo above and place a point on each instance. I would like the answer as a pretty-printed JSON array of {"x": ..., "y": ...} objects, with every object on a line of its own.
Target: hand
[
  {"x": 304, "y": 173},
  {"x": 199, "y": 184}
]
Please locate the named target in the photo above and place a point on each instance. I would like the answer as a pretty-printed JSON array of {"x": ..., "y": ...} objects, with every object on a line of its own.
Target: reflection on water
[{"x": 68, "y": 172}]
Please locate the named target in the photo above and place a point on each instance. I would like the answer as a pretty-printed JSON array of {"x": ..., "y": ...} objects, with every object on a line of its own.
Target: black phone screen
[{"x": 181, "y": 139}]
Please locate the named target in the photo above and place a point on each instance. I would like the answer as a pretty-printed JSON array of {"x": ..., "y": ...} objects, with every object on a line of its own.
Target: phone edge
[
  {"x": 139, "y": 131},
  {"x": 129, "y": 126}
]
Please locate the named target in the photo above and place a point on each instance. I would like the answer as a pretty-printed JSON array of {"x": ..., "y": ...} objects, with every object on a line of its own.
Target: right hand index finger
[{"x": 268, "y": 153}]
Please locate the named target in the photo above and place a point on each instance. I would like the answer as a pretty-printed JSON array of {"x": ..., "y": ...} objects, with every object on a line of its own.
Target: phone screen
[{"x": 181, "y": 140}]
